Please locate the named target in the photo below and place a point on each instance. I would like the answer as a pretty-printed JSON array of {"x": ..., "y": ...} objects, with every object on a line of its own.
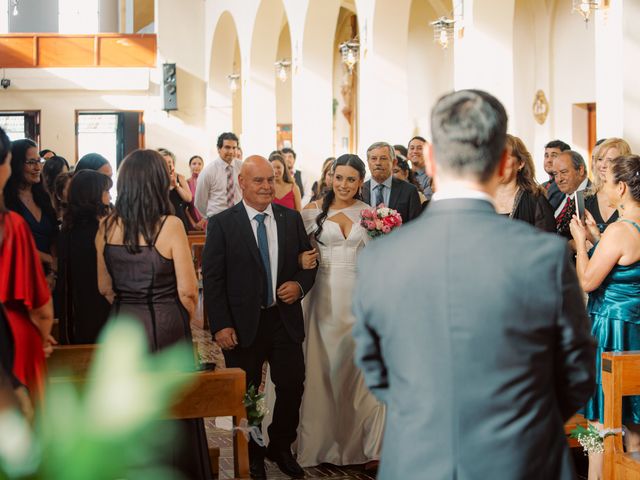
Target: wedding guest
[
  {"x": 53, "y": 167},
  {"x": 239, "y": 153},
  {"x": 402, "y": 171},
  {"x": 552, "y": 150},
  {"x": 596, "y": 200},
  {"x": 401, "y": 150},
  {"x": 519, "y": 196},
  {"x": 25, "y": 195},
  {"x": 23, "y": 287},
  {"x": 217, "y": 187},
  {"x": 60, "y": 190},
  {"x": 146, "y": 272},
  {"x": 491, "y": 351},
  {"x": 570, "y": 174},
  {"x": 610, "y": 273},
  {"x": 94, "y": 161},
  {"x": 179, "y": 192},
  {"x": 302, "y": 179},
  {"x": 417, "y": 146},
  {"x": 384, "y": 188},
  {"x": 287, "y": 192},
  {"x": 82, "y": 310},
  {"x": 323, "y": 184},
  {"x": 196, "y": 222},
  {"x": 46, "y": 154},
  {"x": 341, "y": 422}
]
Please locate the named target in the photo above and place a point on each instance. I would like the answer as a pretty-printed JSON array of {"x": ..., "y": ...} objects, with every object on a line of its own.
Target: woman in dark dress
[
  {"x": 25, "y": 194},
  {"x": 83, "y": 311},
  {"x": 179, "y": 192},
  {"x": 519, "y": 196},
  {"x": 146, "y": 271}
]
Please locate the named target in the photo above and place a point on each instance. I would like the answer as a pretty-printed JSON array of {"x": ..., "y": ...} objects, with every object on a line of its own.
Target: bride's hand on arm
[{"x": 308, "y": 260}]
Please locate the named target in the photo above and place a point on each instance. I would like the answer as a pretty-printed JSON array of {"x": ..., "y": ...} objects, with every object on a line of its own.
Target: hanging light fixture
[
  {"x": 282, "y": 69},
  {"x": 234, "y": 83},
  {"x": 443, "y": 31},
  {"x": 586, "y": 8},
  {"x": 350, "y": 51},
  {"x": 15, "y": 12}
]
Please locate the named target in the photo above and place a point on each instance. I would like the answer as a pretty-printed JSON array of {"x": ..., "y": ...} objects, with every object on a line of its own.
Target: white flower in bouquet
[{"x": 261, "y": 407}]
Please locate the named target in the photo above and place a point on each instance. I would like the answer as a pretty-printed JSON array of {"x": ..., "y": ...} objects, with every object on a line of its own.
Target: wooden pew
[
  {"x": 211, "y": 394},
  {"x": 620, "y": 378}
]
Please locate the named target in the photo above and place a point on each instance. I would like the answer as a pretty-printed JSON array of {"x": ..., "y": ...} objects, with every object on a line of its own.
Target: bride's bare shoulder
[{"x": 312, "y": 206}]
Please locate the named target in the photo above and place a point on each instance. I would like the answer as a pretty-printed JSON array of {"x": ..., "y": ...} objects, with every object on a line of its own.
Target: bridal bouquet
[
  {"x": 592, "y": 439},
  {"x": 379, "y": 220}
]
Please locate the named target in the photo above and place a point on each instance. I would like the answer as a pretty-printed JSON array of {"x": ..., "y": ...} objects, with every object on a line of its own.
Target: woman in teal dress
[{"x": 610, "y": 273}]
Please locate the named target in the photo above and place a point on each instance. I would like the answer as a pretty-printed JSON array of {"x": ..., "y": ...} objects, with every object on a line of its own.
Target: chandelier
[
  {"x": 586, "y": 7},
  {"x": 282, "y": 69},
  {"x": 234, "y": 83},
  {"x": 443, "y": 31},
  {"x": 350, "y": 51}
]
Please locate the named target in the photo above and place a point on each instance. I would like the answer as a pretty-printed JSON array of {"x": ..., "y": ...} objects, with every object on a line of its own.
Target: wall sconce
[
  {"x": 443, "y": 31},
  {"x": 233, "y": 80},
  {"x": 588, "y": 7},
  {"x": 282, "y": 69},
  {"x": 15, "y": 12},
  {"x": 350, "y": 51}
]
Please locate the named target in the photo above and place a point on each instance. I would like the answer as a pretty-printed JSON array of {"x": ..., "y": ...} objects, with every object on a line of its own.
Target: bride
[{"x": 340, "y": 420}]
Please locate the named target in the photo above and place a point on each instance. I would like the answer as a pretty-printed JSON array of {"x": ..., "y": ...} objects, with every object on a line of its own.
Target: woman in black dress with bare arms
[{"x": 145, "y": 270}]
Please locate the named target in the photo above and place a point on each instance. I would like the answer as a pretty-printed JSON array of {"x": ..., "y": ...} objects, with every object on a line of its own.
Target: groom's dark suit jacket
[
  {"x": 233, "y": 273},
  {"x": 403, "y": 197},
  {"x": 480, "y": 362}
]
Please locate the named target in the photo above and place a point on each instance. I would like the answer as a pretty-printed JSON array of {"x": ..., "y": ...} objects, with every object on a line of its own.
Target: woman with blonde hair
[
  {"x": 519, "y": 196},
  {"x": 596, "y": 201}
]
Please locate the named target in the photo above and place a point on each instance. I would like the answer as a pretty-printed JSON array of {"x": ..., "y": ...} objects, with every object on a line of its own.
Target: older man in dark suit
[
  {"x": 481, "y": 361},
  {"x": 385, "y": 188},
  {"x": 253, "y": 285}
]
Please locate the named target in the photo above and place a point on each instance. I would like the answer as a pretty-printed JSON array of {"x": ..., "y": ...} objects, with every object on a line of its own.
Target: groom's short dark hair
[{"x": 469, "y": 131}]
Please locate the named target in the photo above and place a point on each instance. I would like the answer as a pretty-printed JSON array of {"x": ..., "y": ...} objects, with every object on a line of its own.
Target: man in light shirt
[
  {"x": 217, "y": 188},
  {"x": 302, "y": 179}
]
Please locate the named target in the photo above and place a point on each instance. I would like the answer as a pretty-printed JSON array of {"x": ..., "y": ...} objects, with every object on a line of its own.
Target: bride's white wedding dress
[{"x": 341, "y": 422}]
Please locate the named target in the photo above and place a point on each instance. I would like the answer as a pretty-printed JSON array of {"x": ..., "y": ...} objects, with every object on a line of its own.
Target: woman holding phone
[{"x": 610, "y": 274}]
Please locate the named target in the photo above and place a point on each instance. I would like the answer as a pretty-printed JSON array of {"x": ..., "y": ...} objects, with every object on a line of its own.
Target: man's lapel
[
  {"x": 366, "y": 192},
  {"x": 246, "y": 232},
  {"x": 281, "y": 223},
  {"x": 394, "y": 195}
]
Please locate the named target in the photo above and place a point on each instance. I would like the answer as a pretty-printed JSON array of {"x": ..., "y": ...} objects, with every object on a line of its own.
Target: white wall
[{"x": 34, "y": 16}]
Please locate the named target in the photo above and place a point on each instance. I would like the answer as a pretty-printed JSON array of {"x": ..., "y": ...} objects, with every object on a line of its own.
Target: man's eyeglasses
[{"x": 33, "y": 163}]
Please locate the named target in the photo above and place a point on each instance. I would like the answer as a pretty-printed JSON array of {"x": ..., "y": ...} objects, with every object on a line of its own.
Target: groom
[
  {"x": 252, "y": 291},
  {"x": 482, "y": 361}
]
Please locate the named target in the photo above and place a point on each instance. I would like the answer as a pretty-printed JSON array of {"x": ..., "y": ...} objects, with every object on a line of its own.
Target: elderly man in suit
[
  {"x": 253, "y": 286},
  {"x": 385, "y": 188},
  {"x": 481, "y": 361}
]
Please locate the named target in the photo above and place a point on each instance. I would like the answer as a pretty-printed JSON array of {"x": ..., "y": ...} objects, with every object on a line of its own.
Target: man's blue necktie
[
  {"x": 263, "y": 246},
  {"x": 379, "y": 194}
]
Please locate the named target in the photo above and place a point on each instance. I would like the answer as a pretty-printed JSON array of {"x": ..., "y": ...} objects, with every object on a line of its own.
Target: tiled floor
[{"x": 210, "y": 353}]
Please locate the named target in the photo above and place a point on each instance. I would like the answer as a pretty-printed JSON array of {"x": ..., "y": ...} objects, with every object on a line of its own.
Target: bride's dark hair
[{"x": 346, "y": 160}]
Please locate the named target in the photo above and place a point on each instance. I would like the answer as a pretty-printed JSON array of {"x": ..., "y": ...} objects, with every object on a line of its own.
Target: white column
[
  {"x": 617, "y": 60},
  {"x": 484, "y": 56},
  {"x": 4, "y": 16}
]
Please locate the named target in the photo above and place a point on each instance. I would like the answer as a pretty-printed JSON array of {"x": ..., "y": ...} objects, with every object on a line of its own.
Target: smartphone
[{"x": 579, "y": 198}]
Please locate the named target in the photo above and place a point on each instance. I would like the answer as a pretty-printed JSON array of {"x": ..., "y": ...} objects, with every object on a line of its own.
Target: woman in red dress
[
  {"x": 287, "y": 192},
  {"x": 23, "y": 290}
]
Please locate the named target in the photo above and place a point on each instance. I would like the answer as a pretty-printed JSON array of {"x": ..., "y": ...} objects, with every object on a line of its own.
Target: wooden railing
[{"x": 33, "y": 50}]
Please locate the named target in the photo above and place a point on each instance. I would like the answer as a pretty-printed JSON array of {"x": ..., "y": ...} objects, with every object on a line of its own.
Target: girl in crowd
[
  {"x": 196, "y": 222},
  {"x": 94, "y": 161},
  {"x": 402, "y": 171},
  {"x": 25, "y": 194},
  {"x": 323, "y": 185},
  {"x": 53, "y": 167},
  {"x": 519, "y": 196},
  {"x": 179, "y": 193},
  {"x": 596, "y": 201},
  {"x": 610, "y": 273},
  {"x": 146, "y": 272},
  {"x": 83, "y": 311},
  {"x": 341, "y": 422},
  {"x": 23, "y": 287},
  {"x": 287, "y": 192}
]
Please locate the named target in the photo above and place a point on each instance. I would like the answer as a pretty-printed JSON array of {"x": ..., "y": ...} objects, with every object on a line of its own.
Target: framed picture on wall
[{"x": 284, "y": 136}]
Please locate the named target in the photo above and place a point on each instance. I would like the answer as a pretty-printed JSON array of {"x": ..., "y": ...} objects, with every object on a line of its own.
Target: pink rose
[
  {"x": 386, "y": 229},
  {"x": 366, "y": 213},
  {"x": 369, "y": 225},
  {"x": 379, "y": 224}
]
